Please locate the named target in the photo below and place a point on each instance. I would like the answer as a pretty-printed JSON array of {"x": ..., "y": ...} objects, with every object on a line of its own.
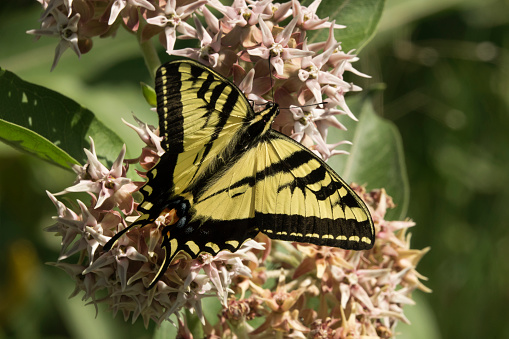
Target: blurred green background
[{"x": 445, "y": 65}]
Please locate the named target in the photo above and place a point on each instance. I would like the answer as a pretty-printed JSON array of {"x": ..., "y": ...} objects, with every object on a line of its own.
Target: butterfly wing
[
  {"x": 198, "y": 108},
  {"x": 300, "y": 198},
  {"x": 200, "y": 116},
  {"x": 279, "y": 187}
]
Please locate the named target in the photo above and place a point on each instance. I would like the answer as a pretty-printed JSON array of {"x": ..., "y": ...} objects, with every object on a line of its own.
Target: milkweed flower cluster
[
  {"x": 248, "y": 42},
  {"x": 354, "y": 293},
  {"x": 264, "y": 47},
  {"x": 126, "y": 271}
]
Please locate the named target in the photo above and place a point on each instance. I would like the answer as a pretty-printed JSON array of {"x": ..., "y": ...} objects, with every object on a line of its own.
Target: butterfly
[{"x": 229, "y": 175}]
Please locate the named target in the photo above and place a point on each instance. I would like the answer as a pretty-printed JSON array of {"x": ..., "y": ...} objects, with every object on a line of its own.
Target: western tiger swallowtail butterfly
[{"x": 228, "y": 175}]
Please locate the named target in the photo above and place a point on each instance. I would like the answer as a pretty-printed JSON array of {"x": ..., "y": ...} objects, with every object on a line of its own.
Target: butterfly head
[
  {"x": 269, "y": 113},
  {"x": 271, "y": 108},
  {"x": 263, "y": 120}
]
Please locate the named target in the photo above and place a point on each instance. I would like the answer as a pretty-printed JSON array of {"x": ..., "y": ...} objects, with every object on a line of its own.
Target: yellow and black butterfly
[{"x": 229, "y": 175}]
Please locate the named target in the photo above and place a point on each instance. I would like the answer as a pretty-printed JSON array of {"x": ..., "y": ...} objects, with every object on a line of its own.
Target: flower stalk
[{"x": 150, "y": 56}]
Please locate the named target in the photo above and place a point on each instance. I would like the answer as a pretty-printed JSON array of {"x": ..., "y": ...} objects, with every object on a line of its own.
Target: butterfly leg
[
  {"x": 117, "y": 236},
  {"x": 170, "y": 244}
]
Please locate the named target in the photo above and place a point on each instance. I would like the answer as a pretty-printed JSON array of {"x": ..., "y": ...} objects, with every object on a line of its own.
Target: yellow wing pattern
[
  {"x": 200, "y": 116},
  {"x": 282, "y": 189},
  {"x": 302, "y": 199},
  {"x": 229, "y": 175}
]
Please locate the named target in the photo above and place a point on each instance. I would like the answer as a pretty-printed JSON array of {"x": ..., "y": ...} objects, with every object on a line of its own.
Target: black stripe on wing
[
  {"x": 327, "y": 212},
  {"x": 168, "y": 86},
  {"x": 225, "y": 110},
  {"x": 346, "y": 233},
  {"x": 210, "y": 236},
  {"x": 294, "y": 161}
]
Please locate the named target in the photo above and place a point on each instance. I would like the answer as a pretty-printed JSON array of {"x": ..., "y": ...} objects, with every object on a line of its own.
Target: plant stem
[
  {"x": 149, "y": 52},
  {"x": 240, "y": 328},
  {"x": 150, "y": 56}
]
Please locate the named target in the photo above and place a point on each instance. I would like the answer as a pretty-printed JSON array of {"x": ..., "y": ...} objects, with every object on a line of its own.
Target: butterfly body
[{"x": 228, "y": 175}]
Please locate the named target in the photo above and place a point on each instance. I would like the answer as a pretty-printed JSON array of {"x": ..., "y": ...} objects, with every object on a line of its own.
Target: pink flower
[
  {"x": 209, "y": 52},
  {"x": 51, "y": 5},
  {"x": 147, "y": 134},
  {"x": 66, "y": 29},
  {"x": 112, "y": 187},
  {"x": 125, "y": 5},
  {"x": 313, "y": 75},
  {"x": 241, "y": 14},
  {"x": 276, "y": 48},
  {"x": 307, "y": 18},
  {"x": 173, "y": 21}
]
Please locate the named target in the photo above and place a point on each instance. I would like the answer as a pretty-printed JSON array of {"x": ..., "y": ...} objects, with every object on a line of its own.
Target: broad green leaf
[
  {"x": 376, "y": 157},
  {"x": 24, "y": 139},
  {"x": 360, "y": 17},
  {"x": 60, "y": 127}
]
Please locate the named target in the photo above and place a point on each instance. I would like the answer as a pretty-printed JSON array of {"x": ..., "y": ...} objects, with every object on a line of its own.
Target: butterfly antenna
[
  {"x": 317, "y": 105},
  {"x": 272, "y": 80}
]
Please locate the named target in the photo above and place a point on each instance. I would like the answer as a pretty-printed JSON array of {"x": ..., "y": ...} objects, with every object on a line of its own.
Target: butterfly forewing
[
  {"x": 200, "y": 115},
  {"x": 197, "y": 108},
  {"x": 302, "y": 199}
]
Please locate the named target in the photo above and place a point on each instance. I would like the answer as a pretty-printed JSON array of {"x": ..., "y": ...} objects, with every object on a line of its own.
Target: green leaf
[
  {"x": 149, "y": 94},
  {"x": 376, "y": 157},
  {"x": 360, "y": 17},
  {"x": 49, "y": 125},
  {"x": 32, "y": 143}
]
